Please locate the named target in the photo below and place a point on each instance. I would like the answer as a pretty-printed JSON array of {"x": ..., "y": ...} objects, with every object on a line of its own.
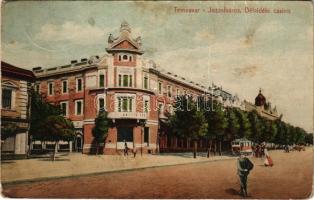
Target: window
[
  {"x": 64, "y": 108},
  {"x": 178, "y": 92},
  {"x": 146, "y": 106},
  {"x": 101, "y": 80},
  {"x": 79, "y": 85},
  {"x": 119, "y": 57},
  {"x": 125, "y": 80},
  {"x": 159, "y": 87},
  {"x": 37, "y": 87},
  {"x": 145, "y": 82},
  {"x": 78, "y": 107},
  {"x": 125, "y": 57},
  {"x": 125, "y": 104},
  {"x": 7, "y": 98},
  {"x": 169, "y": 91},
  {"x": 101, "y": 103},
  {"x": 50, "y": 88},
  {"x": 64, "y": 86},
  {"x": 130, "y": 58},
  {"x": 161, "y": 107}
]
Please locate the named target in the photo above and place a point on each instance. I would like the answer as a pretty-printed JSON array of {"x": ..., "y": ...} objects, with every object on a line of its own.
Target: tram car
[{"x": 242, "y": 146}]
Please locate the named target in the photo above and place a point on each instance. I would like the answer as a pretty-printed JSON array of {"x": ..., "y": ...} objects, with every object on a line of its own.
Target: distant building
[
  {"x": 262, "y": 107},
  {"x": 15, "y": 107}
]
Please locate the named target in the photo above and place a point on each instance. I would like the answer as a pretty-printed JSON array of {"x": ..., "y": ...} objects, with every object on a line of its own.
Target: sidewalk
[{"x": 76, "y": 164}]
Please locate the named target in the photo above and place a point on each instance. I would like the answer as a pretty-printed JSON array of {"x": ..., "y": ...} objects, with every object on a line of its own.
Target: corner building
[
  {"x": 15, "y": 109},
  {"x": 134, "y": 92}
]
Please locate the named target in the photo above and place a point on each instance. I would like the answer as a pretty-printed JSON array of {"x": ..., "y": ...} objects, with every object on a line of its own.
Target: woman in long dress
[{"x": 268, "y": 161}]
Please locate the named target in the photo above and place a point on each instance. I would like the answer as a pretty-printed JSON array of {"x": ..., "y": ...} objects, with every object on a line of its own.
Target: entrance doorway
[
  {"x": 78, "y": 143},
  {"x": 125, "y": 134}
]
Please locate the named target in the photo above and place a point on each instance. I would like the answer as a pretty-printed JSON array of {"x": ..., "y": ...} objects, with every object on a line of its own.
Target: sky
[{"x": 242, "y": 52}]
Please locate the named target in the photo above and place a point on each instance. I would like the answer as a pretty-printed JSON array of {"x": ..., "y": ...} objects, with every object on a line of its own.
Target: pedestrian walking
[
  {"x": 244, "y": 168},
  {"x": 268, "y": 161},
  {"x": 286, "y": 148},
  {"x": 126, "y": 149}
]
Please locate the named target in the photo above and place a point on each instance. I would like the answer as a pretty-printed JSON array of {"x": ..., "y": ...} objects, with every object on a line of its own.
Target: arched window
[
  {"x": 101, "y": 103},
  {"x": 125, "y": 57}
]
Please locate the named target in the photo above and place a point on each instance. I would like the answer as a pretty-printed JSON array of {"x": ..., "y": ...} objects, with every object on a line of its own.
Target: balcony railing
[{"x": 127, "y": 115}]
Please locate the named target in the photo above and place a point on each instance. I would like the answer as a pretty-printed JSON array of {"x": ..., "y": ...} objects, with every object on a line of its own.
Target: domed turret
[{"x": 260, "y": 100}]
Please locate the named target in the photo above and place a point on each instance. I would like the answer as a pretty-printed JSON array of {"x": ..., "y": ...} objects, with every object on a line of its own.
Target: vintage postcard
[{"x": 157, "y": 99}]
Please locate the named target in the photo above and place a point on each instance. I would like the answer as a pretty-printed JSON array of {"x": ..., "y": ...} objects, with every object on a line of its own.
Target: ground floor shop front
[{"x": 137, "y": 136}]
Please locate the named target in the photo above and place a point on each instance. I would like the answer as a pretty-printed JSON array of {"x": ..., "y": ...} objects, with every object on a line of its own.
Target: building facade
[
  {"x": 134, "y": 91},
  {"x": 262, "y": 107},
  {"x": 15, "y": 85}
]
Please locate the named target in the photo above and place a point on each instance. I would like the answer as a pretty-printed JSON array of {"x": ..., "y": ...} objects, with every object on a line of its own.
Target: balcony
[{"x": 127, "y": 115}]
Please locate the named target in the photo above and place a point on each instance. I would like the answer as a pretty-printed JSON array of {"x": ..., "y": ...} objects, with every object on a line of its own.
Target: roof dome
[{"x": 260, "y": 100}]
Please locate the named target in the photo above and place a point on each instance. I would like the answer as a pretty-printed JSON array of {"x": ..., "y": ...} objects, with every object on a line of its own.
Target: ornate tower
[{"x": 124, "y": 48}]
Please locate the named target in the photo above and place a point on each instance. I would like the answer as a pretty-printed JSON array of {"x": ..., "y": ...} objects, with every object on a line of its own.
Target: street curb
[{"x": 17, "y": 182}]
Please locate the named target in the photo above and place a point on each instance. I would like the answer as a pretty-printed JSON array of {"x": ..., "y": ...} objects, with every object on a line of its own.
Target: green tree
[
  {"x": 309, "y": 138},
  {"x": 300, "y": 135},
  {"x": 293, "y": 135},
  {"x": 269, "y": 130},
  {"x": 40, "y": 111},
  {"x": 280, "y": 136},
  {"x": 57, "y": 128},
  {"x": 188, "y": 121},
  {"x": 217, "y": 122},
  {"x": 244, "y": 124},
  {"x": 100, "y": 131},
  {"x": 233, "y": 125},
  {"x": 287, "y": 134},
  {"x": 46, "y": 122},
  {"x": 256, "y": 127}
]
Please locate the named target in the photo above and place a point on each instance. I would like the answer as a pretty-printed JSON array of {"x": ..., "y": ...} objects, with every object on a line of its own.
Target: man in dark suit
[{"x": 244, "y": 168}]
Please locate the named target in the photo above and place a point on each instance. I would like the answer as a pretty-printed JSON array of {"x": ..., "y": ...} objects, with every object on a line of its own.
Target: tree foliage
[
  {"x": 46, "y": 122},
  {"x": 227, "y": 124},
  {"x": 58, "y": 128},
  {"x": 188, "y": 121},
  {"x": 100, "y": 130},
  {"x": 40, "y": 111}
]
